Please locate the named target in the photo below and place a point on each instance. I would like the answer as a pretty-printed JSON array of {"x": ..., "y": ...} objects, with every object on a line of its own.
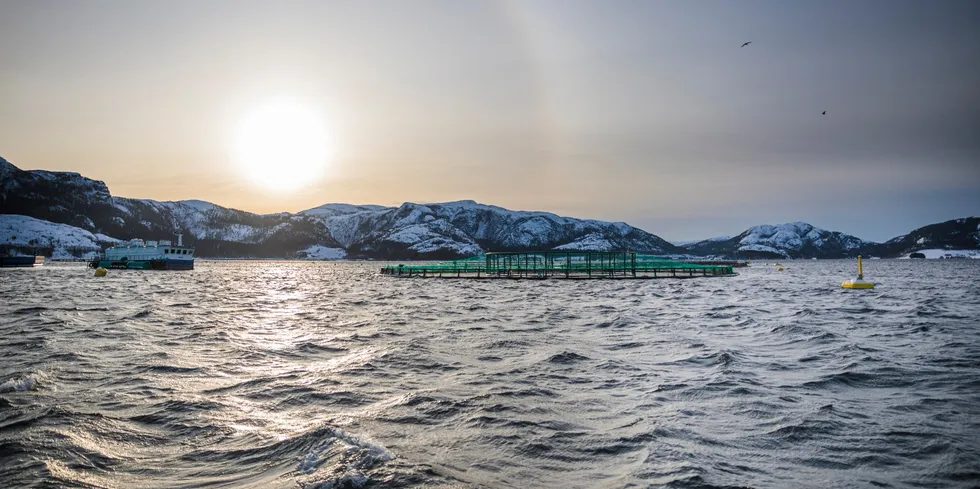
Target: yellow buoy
[
  {"x": 859, "y": 282},
  {"x": 779, "y": 269},
  {"x": 101, "y": 272}
]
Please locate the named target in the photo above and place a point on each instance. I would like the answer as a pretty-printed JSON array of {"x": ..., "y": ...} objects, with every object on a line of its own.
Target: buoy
[
  {"x": 779, "y": 269},
  {"x": 859, "y": 282},
  {"x": 101, "y": 272}
]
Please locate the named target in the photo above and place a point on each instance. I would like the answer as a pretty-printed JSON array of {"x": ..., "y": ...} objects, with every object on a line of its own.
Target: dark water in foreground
[{"x": 268, "y": 374}]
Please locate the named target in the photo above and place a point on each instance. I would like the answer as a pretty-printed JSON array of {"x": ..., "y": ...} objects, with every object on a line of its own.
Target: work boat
[{"x": 151, "y": 255}]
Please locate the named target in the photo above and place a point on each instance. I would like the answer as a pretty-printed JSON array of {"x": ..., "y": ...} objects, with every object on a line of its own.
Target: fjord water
[{"x": 296, "y": 374}]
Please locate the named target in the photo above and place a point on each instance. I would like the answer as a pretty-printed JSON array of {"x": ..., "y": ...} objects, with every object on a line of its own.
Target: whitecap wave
[
  {"x": 27, "y": 382},
  {"x": 341, "y": 460}
]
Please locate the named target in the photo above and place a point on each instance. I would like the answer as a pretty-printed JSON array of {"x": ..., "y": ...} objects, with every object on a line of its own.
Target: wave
[
  {"x": 23, "y": 383},
  {"x": 724, "y": 359},
  {"x": 879, "y": 378},
  {"x": 168, "y": 369},
  {"x": 566, "y": 358},
  {"x": 317, "y": 375}
]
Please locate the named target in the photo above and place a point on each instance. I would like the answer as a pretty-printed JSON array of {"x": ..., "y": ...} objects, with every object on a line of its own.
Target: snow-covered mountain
[
  {"x": 26, "y": 235},
  {"x": 444, "y": 230},
  {"x": 61, "y": 197},
  {"x": 465, "y": 228},
  {"x": 332, "y": 210},
  {"x": 957, "y": 234},
  {"x": 792, "y": 240},
  {"x": 436, "y": 231}
]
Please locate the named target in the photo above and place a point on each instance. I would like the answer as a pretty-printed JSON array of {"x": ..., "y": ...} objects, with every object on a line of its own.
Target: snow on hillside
[
  {"x": 442, "y": 244},
  {"x": 348, "y": 229},
  {"x": 716, "y": 239},
  {"x": 411, "y": 234},
  {"x": 762, "y": 248},
  {"x": 534, "y": 229},
  {"x": 938, "y": 254},
  {"x": 202, "y": 219},
  {"x": 464, "y": 227},
  {"x": 794, "y": 237},
  {"x": 6, "y": 169},
  {"x": 27, "y": 233},
  {"x": 424, "y": 232},
  {"x": 332, "y": 210},
  {"x": 199, "y": 205},
  {"x": 954, "y": 234},
  {"x": 317, "y": 252},
  {"x": 719, "y": 238},
  {"x": 69, "y": 185},
  {"x": 785, "y": 236},
  {"x": 589, "y": 242}
]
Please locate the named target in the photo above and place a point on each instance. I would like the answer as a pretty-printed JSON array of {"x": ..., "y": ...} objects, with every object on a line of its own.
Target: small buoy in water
[
  {"x": 779, "y": 269},
  {"x": 101, "y": 272},
  {"x": 859, "y": 282}
]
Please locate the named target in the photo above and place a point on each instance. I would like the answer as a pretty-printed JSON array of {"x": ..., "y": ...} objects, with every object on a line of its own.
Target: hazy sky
[{"x": 647, "y": 112}]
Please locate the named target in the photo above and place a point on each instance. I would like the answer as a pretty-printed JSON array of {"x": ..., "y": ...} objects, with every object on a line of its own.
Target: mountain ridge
[
  {"x": 440, "y": 230},
  {"x": 789, "y": 240},
  {"x": 435, "y": 230}
]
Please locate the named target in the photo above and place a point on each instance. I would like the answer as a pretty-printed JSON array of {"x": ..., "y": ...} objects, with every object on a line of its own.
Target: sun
[{"x": 282, "y": 145}]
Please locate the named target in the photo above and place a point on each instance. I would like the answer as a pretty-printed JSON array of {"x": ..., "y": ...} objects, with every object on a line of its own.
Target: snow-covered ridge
[
  {"x": 317, "y": 252},
  {"x": 431, "y": 230},
  {"x": 790, "y": 240},
  {"x": 202, "y": 219},
  {"x": 199, "y": 205},
  {"x": 936, "y": 254},
  {"x": 331, "y": 210},
  {"x": 697, "y": 241},
  {"x": 589, "y": 242},
  {"x": 796, "y": 235},
  {"x": 27, "y": 234},
  {"x": 6, "y": 169}
]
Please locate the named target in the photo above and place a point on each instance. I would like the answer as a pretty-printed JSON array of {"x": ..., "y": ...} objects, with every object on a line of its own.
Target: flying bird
[
  {"x": 746, "y": 44},
  {"x": 823, "y": 113}
]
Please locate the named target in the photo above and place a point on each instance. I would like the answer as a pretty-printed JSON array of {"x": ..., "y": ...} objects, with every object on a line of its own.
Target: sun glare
[{"x": 282, "y": 145}]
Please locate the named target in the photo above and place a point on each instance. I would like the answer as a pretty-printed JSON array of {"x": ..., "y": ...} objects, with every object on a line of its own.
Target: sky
[{"x": 647, "y": 112}]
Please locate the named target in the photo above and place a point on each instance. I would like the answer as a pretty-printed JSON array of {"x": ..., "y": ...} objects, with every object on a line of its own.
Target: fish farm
[{"x": 560, "y": 264}]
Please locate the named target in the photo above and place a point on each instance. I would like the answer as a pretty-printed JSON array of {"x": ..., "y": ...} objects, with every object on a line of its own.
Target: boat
[
  {"x": 150, "y": 255},
  {"x": 21, "y": 261}
]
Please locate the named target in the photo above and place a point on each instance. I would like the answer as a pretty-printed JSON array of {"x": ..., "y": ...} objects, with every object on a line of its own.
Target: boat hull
[
  {"x": 168, "y": 264},
  {"x": 21, "y": 261}
]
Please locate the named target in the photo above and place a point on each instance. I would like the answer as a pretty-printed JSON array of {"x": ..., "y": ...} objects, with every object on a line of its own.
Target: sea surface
[{"x": 313, "y": 374}]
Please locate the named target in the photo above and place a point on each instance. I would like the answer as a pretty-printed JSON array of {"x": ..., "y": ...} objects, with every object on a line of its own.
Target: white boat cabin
[{"x": 137, "y": 250}]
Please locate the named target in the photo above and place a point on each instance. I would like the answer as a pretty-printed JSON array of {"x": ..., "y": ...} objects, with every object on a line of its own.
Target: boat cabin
[{"x": 151, "y": 250}]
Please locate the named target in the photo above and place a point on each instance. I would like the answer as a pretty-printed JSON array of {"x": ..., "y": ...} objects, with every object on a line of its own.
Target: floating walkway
[{"x": 562, "y": 264}]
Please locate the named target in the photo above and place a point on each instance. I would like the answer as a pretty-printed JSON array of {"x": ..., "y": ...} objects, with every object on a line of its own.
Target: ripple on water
[{"x": 326, "y": 375}]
